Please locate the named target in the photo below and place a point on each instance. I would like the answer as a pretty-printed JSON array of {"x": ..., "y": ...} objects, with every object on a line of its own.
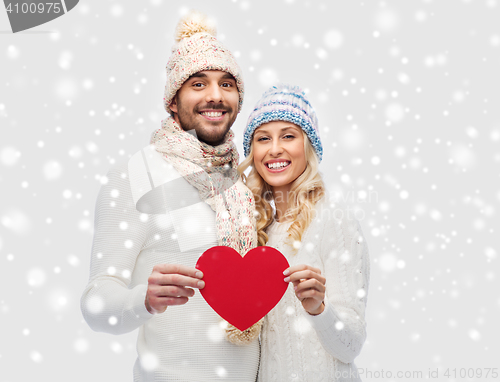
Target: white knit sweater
[
  {"x": 296, "y": 346},
  {"x": 185, "y": 343}
]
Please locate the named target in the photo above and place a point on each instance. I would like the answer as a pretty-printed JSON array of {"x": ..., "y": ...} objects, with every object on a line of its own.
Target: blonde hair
[{"x": 304, "y": 193}]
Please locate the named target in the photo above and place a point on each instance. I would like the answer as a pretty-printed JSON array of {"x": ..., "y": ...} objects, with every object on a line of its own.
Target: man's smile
[{"x": 213, "y": 115}]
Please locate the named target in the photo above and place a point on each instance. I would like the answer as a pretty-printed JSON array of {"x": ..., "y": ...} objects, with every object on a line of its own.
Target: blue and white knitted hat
[{"x": 284, "y": 103}]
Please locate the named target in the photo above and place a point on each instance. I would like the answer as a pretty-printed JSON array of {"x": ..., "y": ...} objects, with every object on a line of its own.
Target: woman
[{"x": 318, "y": 328}]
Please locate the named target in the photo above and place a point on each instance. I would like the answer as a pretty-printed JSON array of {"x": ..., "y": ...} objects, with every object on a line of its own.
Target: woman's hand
[{"x": 309, "y": 287}]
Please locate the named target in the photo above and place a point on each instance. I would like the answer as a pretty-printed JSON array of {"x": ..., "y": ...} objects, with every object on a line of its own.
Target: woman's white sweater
[{"x": 296, "y": 346}]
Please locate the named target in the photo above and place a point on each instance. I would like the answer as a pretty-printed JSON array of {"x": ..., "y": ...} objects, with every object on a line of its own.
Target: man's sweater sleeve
[
  {"x": 341, "y": 327},
  {"x": 107, "y": 303}
]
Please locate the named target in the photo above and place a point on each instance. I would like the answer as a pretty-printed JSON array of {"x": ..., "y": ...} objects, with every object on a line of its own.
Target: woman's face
[{"x": 278, "y": 153}]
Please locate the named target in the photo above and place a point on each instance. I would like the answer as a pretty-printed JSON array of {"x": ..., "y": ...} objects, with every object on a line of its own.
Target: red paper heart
[{"x": 242, "y": 290}]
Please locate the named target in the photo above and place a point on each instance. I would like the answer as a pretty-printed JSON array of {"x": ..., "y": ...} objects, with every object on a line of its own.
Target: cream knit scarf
[{"x": 213, "y": 171}]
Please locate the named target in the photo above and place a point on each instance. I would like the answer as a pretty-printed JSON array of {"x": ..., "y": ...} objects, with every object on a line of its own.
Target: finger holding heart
[
  {"x": 171, "y": 284},
  {"x": 309, "y": 286}
]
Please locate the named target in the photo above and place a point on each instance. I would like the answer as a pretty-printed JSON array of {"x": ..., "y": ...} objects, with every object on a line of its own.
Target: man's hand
[
  {"x": 170, "y": 284},
  {"x": 309, "y": 287}
]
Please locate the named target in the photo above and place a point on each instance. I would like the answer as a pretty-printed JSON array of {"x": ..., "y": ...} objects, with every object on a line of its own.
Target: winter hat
[
  {"x": 196, "y": 50},
  {"x": 284, "y": 103}
]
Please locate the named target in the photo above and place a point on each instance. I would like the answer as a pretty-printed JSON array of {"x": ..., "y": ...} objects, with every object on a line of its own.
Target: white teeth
[
  {"x": 277, "y": 164},
  {"x": 212, "y": 113}
]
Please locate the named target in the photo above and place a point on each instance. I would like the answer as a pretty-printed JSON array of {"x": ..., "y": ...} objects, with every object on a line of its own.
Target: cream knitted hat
[{"x": 197, "y": 49}]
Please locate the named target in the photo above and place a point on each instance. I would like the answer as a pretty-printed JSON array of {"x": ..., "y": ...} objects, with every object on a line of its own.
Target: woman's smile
[{"x": 278, "y": 165}]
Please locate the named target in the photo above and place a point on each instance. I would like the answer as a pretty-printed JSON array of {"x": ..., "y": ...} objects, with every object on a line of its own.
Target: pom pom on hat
[{"x": 194, "y": 22}]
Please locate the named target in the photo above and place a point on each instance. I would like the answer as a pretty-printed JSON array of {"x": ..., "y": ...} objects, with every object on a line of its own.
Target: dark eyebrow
[
  {"x": 198, "y": 75},
  {"x": 228, "y": 76}
]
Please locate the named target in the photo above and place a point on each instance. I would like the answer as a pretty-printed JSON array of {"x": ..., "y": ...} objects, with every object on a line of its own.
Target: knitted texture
[
  {"x": 185, "y": 343},
  {"x": 284, "y": 103},
  {"x": 212, "y": 171},
  {"x": 197, "y": 49},
  {"x": 296, "y": 346}
]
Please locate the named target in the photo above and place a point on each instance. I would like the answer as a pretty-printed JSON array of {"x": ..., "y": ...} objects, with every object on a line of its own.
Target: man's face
[{"x": 207, "y": 102}]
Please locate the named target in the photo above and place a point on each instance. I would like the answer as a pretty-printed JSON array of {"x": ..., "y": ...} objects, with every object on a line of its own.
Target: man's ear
[{"x": 173, "y": 104}]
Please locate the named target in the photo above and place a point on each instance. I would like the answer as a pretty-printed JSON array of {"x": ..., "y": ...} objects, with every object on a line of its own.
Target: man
[{"x": 156, "y": 216}]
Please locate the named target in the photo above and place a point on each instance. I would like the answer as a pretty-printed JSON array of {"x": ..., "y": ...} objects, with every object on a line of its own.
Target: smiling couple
[{"x": 142, "y": 264}]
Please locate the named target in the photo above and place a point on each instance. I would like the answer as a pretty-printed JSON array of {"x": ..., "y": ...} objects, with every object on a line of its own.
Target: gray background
[{"x": 407, "y": 98}]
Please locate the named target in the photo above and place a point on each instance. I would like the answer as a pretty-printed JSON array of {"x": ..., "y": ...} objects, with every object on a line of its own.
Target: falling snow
[
  {"x": 9, "y": 156},
  {"x": 406, "y": 101},
  {"x": 333, "y": 39},
  {"x": 149, "y": 361},
  {"x": 36, "y": 277},
  {"x": 52, "y": 170}
]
